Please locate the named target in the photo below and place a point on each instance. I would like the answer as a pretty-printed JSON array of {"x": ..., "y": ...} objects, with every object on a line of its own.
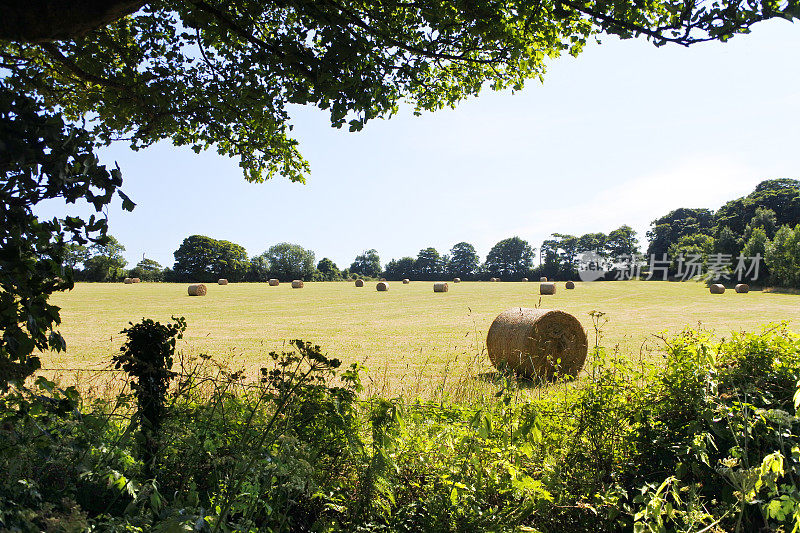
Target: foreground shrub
[{"x": 704, "y": 439}]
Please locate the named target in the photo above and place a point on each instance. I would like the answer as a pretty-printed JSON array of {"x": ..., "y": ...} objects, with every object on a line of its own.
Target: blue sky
[{"x": 620, "y": 135}]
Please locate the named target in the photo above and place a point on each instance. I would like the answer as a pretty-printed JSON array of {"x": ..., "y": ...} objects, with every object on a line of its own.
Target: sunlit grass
[{"x": 413, "y": 341}]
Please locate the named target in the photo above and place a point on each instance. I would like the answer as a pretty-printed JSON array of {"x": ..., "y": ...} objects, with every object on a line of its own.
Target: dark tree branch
[
  {"x": 37, "y": 21},
  {"x": 51, "y": 50}
]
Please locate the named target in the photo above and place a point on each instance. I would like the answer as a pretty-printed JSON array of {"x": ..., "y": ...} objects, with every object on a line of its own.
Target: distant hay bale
[
  {"x": 135, "y": 280},
  {"x": 406, "y": 281},
  {"x": 524, "y": 279},
  {"x": 197, "y": 290},
  {"x": 359, "y": 283},
  {"x": 297, "y": 284},
  {"x": 127, "y": 281},
  {"x": 569, "y": 285},
  {"x": 494, "y": 279},
  {"x": 742, "y": 288},
  {"x": 222, "y": 281},
  {"x": 456, "y": 280},
  {"x": 382, "y": 286},
  {"x": 547, "y": 288},
  {"x": 382, "y": 279},
  {"x": 543, "y": 279},
  {"x": 440, "y": 286},
  {"x": 716, "y": 288},
  {"x": 537, "y": 343},
  {"x": 274, "y": 282}
]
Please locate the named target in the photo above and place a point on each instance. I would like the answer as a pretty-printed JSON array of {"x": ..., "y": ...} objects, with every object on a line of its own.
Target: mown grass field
[{"x": 412, "y": 339}]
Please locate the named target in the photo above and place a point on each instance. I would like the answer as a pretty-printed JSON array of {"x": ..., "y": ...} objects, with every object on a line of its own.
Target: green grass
[{"x": 410, "y": 338}]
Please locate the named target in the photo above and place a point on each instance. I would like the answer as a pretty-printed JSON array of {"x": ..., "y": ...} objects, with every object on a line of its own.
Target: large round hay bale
[
  {"x": 197, "y": 290},
  {"x": 547, "y": 288},
  {"x": 569, "y": 285},
  {"x": 524, "y": 279},
  {"x": 543, "y": 279},
  {"x": 135, "y": 280},
  {"x": 222, "y": 281},
  {"x": 274, "y": 282},
  {"x": 359, "y": 283},
  {"x": 717, "y": 288},
  {"x": 297, "y": 284},
  {"x": 537, "y": 343},
  {"x": 382, "y": 286},
  {"x": 440, "y": 286},
  {"x": 742, "y": 288},
  {"x": 406, "y": 281},
  {"x": 127, "y": 281},
  {"x": 456, "y": 280}
]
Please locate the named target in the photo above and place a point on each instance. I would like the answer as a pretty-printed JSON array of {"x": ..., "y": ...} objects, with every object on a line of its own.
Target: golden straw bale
[
  {"x": 537, "y": 343},
  {"x": 197, "y": 290}
]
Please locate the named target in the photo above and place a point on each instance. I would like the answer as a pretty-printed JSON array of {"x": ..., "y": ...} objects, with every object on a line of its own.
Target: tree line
[{"x": 764, "y": 223}]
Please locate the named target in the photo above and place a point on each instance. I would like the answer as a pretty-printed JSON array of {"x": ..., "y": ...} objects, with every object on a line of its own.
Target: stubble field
[{"x": 412, "y": 340}]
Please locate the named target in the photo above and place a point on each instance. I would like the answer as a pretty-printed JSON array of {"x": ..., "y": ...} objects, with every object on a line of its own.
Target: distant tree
[
  {"x": 147, "y": 270},
  {"x": 670, "y": 228},
  {"x": 781, "y": 196},
  {"x": 759, "y": 244},
  {"x": 327, "y": 270},
  {"x": 429, "y": 265},
  {"x": 398, "y": 269},
  {"x": 75, "y": 255},
  {"x": 622, "y": 242},
  {"x": 783, "y": 256},
  {"x": 289, "y": 261},
  {"x": 259, "y": 268},
  {"x": 367, "y": 264},
  {"x": 727, "y": 243},
  {"x": 559, "y": 256},
  {"x": 201, "y": 258},
  {"x": 464, "y": 261},
  {"x": 105, "y": 261},
  {"x": 510, "y": 259},
  {"x": 593, "y": 242},
  {"x": 764, "y": 218},
  {"x": 697, "y": 247},
  {"x": 231, "y": 261},
  {"x": 196, "y": 259}
]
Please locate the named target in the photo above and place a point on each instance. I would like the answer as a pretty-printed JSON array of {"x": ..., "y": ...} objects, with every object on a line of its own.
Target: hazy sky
[{"x": 620, "y": 135}]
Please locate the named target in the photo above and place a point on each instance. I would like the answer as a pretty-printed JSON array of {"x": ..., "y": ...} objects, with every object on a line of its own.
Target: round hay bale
[
  {"x": 494, "y": 279},
  {"x": 547, "y": 288},
  {"x": 127, "y": 281},
  {"x": 456, "y": 280},
  {"x": 274, "y": 282},
  {"x": 222, "y": 281},
  {"x": 359, "y": 283},
  {"x": 197, "y": 290},
  {"x": 382, "y": 286},
  {"x": 297, "y": 284},
  {"x": 717, "y": 288},
  {"x": 382, "y": 279},
  {"x": 742, "y": 288},
  {"x": 135, "y": 280},
  {"x": 537, "y": 343},
  {"x": 543, "y": 279},
  {"x": 440, "y": 286},
  {"x": 524, "y": 279},
  {"x": 406, "y": 281},
  {"x": 569, "y": 285}
]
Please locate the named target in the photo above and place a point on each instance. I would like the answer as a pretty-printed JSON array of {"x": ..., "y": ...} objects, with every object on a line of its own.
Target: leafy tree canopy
[
  {"x": 206, "y": 73},
  {"x": 510, "y": 259},
  {"x": 289, "y": 261},
  {"x": 429, "y": 264},
  {"x": 328, "y": 271},
  {"x": 464, "y": 261},
  {"x": 669, "y": 229},
  {"x": 367, "y": 264},
  {"x": 398, "y": 269},
  {"x": 781, "y": 196},
  {"x": 201, "y": 258}
]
